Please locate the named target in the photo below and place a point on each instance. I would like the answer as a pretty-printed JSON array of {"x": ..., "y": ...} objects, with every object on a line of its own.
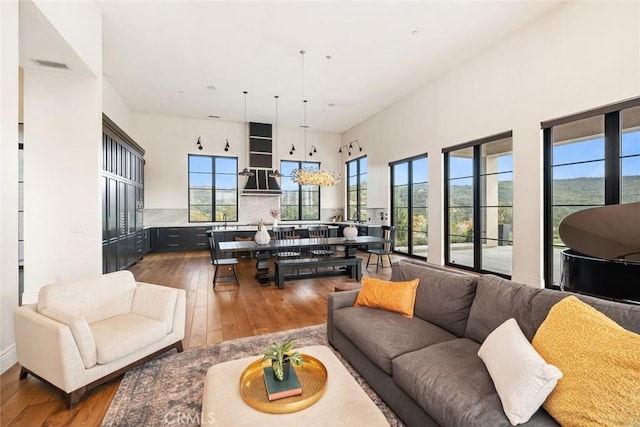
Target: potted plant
[{"x": 281, "y": 358}]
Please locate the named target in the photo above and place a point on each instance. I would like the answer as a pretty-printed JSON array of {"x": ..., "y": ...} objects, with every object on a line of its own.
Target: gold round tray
[{"x": 312, "y": 376}]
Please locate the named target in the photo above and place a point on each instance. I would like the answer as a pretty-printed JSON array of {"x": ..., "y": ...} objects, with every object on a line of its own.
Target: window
[
  {"x": 591, "y": 159},
  {"x": 357, "y": 188},
  {"x": 409, "y": 197},
  {"x": 213, "y": 188},
  {"x": 298, "y": 202},
  {"x": 479, "y": 205}
]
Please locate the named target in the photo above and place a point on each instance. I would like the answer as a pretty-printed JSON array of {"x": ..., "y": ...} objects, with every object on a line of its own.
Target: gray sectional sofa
[{"x": 426, "y": 368}]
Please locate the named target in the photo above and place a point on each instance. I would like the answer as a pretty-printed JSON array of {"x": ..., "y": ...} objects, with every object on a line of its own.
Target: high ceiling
[{"x": 195, "y": 58}]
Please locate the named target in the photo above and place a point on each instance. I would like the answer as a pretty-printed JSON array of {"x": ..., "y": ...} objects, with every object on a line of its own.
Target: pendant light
[
  {"x": 276, "y": 173},
  {"x": 245, "y": 171},
  {"x": 311, "y": 175}
]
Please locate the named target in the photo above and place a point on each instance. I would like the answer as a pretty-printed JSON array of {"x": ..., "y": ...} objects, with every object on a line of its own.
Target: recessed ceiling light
[
  {"x": 328, "y": 56},
  {"x": 180, "y": 91},
  {"x": 414, "y": 32},
  {"x": 212, "y": 116},
  {"x": 210, "y": 87}
]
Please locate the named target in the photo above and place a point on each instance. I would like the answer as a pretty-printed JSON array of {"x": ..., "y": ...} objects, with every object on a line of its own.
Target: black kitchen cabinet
[
  {"x": 177, "y": 239},
  {"x": 122, "y": 199}
]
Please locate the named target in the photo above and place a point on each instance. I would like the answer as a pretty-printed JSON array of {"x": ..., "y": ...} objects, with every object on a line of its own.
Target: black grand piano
[{"x": 604, "y": 255}]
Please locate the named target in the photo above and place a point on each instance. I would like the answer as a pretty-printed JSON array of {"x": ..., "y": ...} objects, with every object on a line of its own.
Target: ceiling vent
[{"x": 50, "y": 64}]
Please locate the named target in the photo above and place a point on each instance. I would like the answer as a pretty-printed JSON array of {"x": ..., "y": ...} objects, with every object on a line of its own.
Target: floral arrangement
[{"x": 275, "y": 213}]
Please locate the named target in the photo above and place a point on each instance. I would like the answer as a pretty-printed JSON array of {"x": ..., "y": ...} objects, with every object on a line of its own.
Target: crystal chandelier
[{"x": 309, "y": 175}]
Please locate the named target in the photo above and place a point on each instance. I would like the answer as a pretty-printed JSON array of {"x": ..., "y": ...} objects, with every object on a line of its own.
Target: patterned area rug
[{"x": 168, "y": 390}]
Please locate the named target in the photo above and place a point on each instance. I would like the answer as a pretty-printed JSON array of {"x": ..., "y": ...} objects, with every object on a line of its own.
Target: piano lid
[{"x": 611, "y": 231}]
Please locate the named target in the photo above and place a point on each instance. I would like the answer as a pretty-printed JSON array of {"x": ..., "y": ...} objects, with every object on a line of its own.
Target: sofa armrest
[
  {"x": 80, "y": 331},
  {"x": 336, "y": 301},
  {"x": 47, "y": 348},
  {"x": 156, "y": 302}
]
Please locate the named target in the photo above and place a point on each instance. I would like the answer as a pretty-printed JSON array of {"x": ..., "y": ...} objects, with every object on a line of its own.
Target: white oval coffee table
[{"x": 344, "y": 403}]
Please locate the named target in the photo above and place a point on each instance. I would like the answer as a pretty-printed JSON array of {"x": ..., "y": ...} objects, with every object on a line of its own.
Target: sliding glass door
[
  {"x": 479, "y": 205},
  {"x": 409, "y": 197}
]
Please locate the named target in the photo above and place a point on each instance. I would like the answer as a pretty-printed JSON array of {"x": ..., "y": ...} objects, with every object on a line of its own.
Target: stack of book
[{"x": 281, "y": 389}]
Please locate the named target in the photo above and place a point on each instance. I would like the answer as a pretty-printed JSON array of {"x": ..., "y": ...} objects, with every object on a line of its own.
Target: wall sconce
[
  {"x": 312, "y": 150},
  {"x": 198, "y": 144},
  {"x": 349, "y": 146},
  {"x": 293, "y": 148},
  {"x": 226, "y": 147}
]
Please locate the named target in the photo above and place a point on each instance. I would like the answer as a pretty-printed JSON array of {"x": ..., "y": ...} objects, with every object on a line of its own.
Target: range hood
[
  {"x": 261, "y": 184},
  {"x": 260, "y": 162}
]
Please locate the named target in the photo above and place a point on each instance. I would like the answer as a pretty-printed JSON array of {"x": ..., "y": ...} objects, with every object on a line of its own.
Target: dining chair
[
  {"x": 386, "y": 248},
  {"x": 218, "y": 261},
  {"x": 284, "y": 234},
  {"x": 320, "y": 232}
]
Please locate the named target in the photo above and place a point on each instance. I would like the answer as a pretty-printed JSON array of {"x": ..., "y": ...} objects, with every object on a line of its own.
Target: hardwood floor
[{"x": 213, "y": 315}]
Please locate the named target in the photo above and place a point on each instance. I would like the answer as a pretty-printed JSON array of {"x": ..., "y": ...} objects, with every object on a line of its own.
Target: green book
[{"x": 281, "y": 389}]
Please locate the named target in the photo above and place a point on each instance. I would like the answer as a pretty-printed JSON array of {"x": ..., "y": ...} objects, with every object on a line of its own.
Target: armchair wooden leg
[
  {"x": 179, "y": 346},
  {"x": 368, "y": 259},
  {"x": 74, "y": 397}
]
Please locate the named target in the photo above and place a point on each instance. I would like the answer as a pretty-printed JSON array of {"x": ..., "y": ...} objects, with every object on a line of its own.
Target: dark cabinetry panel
[
  {"x": 176, "y": 239},
  {"x": 122, "y": 199}
]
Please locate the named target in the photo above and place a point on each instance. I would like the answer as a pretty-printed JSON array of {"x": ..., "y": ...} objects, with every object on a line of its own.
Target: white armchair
[{"x": 81, "y": 334}]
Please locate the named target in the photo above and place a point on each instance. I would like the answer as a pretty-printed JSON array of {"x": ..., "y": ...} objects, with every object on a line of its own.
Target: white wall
[
  {"x": 580, "y": 56},
  {"x": 62, "y": 134},
  {"x": 8, "y": 180},
  {"x": 116, "y": 109},
  {"x": 168, "y": 140}
]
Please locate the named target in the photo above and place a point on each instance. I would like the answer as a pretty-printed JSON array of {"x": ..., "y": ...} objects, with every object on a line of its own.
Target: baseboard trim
[{"x": 8, "y": 358}]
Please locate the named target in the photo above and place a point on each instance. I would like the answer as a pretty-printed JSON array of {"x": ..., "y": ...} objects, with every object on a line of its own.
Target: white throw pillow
[{"x": 522, "y": 378}]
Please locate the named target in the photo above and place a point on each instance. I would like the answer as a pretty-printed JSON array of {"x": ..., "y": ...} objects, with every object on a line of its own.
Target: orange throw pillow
[{"x": 399, "y": 297}]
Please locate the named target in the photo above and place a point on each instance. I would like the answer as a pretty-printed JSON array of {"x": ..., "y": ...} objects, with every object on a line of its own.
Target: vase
[
  {"x": 275, "y": 222},
  {"x": 262, "y": 237},
  {"x": 350, "y": 233}
]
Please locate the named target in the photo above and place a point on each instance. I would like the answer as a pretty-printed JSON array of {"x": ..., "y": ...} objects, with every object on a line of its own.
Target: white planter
[
  {"x": 275, "y": 222},
  {"x": 262, "y": 237},
  {"x": 350, "y": 233}
]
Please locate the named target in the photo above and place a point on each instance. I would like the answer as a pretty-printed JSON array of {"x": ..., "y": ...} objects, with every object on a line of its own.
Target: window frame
[
  {"x": 301, "y": 204},
  {"x": 409, "y": 162},
  {"x": 613, "y": 134},
  {"x": 358, "y": 176},
  {"x": 213, "y": 187},
  {"x": 477, "y": 206}
]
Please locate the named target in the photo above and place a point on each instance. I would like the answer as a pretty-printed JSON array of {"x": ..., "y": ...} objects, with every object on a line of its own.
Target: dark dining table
[{"x": 263, "y": 252}]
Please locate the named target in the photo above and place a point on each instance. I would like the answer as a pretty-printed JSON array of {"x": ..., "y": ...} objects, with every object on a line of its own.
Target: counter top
[{"x": 216, "y": 226}]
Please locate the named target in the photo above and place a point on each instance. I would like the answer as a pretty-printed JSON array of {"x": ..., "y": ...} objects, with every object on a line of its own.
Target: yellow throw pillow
[
  {"x": 398, "y": 297},
  {"x": 600, "y": 361}
]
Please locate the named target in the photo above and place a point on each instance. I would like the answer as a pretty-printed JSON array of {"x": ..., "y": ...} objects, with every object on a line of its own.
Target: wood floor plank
[{"x": 212, "y": 315}]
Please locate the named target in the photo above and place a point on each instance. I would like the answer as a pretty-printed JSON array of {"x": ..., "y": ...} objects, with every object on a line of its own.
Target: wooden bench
[{"x": 354, "y": 266}]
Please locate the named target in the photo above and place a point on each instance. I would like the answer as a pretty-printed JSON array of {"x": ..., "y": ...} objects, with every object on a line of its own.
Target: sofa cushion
[
  {"x": 601, "y": 363},
  {"x": 443, "y": 297},
  {"x": 398, "y": 297},
  {"x": 94, "y": 298},
  {"x": 121, "y": 335},
  {"x": 499, "y": 299},
  {"x": 383, "y": 335},
  {"x": 522, "y": 378},
  {"x": 450, "y": 382}
]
